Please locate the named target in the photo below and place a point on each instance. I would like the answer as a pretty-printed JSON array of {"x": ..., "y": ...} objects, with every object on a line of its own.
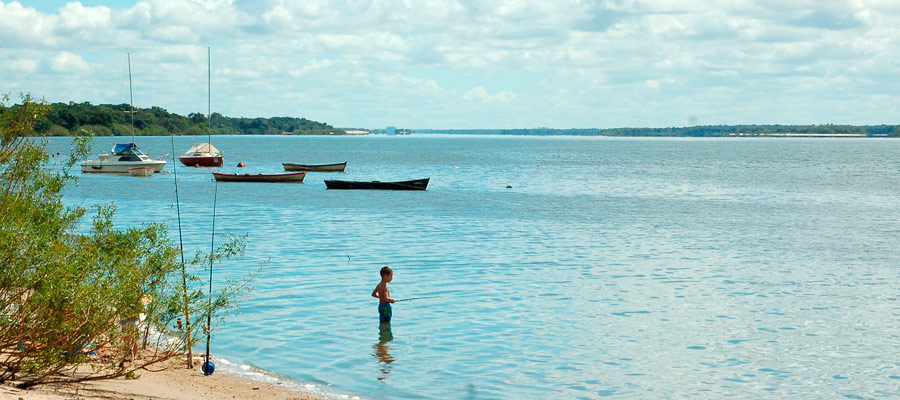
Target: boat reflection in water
[{"x": 382, "y": 351}]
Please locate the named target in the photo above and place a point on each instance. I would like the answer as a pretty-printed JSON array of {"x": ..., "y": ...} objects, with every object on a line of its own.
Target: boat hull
[
  {"x": 416, "y": 184},
  {"x": 202, "y": 161},
  {"x": 141, "y": 171},
  {"x": 339, "y": 167},
  {"x": 294, "y": 177},
  {"x": 118, "y": 167}
]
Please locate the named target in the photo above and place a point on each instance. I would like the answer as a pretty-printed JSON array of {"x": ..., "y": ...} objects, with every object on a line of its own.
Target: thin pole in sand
[
  {"x": 206, "y": 367},
  {"x": 187, "y": 313}
]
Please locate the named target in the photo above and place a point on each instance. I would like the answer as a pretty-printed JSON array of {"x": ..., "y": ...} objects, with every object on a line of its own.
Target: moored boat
[
  {"x": 205, "y": 154},
  {"x": 293, "y": 177},
  {"x": 123, "y": 156},
  {"x": 120, "y": 159},
  {"x": 202, "y": 155},
  {"x": 415, "y": 184},
  {"x": 339, "y": 167}
]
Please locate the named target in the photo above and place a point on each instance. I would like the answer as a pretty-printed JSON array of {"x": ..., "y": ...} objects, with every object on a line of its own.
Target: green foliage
[
  {"x": 115, "y": 119},
  {"x": 69, "y": 298},
  {"x": 56, "y": 130}
]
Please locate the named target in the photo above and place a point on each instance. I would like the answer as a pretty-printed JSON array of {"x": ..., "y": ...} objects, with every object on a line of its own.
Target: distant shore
[
  {"x": 827, "y": 130},
  {"x": 172, "y": 381},
  {"x": 70, "y": 119}
]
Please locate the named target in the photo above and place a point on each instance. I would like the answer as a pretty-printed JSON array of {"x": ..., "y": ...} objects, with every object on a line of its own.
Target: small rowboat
[
  {"x": 416, "y": 184},
  {"x": 294, "y": 177},
  {"x": 316, "y": 167},
  {"x": 141, "y": 171}
]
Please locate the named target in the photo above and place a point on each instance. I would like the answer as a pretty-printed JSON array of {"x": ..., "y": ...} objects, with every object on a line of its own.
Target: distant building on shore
[{"x": 393, "y": 130}]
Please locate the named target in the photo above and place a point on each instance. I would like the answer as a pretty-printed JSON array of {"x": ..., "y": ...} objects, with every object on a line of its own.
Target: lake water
[{"x": 568, "y": 267}]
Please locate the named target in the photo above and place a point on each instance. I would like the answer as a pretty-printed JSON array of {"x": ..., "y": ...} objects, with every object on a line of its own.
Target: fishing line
[
  {"x": 187, "y": 314},
  {"x": 418, "y": 298},
  {"x": 207, "y": 367}
]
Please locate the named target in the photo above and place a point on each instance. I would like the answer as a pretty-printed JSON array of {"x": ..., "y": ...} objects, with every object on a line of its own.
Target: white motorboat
[
  {"x": 120, "y": 159},
  {"x": 123, "y": 156}
]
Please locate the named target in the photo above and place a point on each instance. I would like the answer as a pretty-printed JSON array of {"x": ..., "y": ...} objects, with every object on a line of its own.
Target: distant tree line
[
  {"x": 695, "y": 131},
  {"x": 67, "y": 119}
]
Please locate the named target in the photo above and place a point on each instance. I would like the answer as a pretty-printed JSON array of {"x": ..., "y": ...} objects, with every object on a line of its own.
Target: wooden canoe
[
  {"x": 294, "y": 177},
  {"x": 315, "y": 167},
  {"x": 416, "y": 184}
]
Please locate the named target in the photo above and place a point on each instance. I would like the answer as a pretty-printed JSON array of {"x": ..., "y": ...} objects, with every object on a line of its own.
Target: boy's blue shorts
[{"x": 384, "y": 312}]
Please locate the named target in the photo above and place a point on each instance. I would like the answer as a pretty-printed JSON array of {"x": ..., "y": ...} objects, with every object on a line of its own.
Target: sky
[{"x": 467, "y": 64}]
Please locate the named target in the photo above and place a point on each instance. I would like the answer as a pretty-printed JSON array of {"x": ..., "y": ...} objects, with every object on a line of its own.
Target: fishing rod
[
  {"x": 418, "y": 298},
  {"x": 208, "y": 367},
  {"x": 131, "y": 97},
  {"x": 187, "y": 313}
]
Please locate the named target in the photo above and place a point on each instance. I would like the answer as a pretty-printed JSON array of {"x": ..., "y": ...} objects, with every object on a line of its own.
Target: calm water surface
[{"x": 626, "y": 267}]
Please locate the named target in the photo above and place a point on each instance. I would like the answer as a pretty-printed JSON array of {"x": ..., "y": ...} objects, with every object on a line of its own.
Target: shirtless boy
[{"x": 383, "y": 294}]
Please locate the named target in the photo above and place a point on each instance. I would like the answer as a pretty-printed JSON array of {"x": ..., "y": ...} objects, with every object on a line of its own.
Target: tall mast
[
  {"x": 208, "y": 99},
  {"x": 131, "y": 95}
]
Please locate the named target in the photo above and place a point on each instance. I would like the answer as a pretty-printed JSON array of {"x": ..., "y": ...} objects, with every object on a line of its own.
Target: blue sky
[{"x": 458, "y": 64}]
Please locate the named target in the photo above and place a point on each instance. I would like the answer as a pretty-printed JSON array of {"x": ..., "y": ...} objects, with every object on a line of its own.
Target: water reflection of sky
[{"x": 693, "y": 268}]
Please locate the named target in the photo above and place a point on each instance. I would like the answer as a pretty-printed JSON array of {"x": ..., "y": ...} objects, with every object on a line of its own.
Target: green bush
[
  {"x": 121, "y": 130},
  {"x": 96, "y": 130},
  {"x": 57, "y": 130},
  {"x": 68, "y": 298},
  {"x": 155, "y": 130}
]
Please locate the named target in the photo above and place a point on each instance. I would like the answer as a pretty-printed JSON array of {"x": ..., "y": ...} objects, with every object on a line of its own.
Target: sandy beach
[{"x": 172, "y": 381}]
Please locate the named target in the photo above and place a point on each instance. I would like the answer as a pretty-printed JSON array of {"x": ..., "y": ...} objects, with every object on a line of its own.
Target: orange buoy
[{"x": 241, "y": 164}]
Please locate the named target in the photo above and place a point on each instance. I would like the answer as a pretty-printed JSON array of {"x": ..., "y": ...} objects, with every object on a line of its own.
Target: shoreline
[{"x": 170, "y": 381}]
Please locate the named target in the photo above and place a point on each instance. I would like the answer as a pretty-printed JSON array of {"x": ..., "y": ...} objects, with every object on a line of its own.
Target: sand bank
[{"x": 172, "y": 381}]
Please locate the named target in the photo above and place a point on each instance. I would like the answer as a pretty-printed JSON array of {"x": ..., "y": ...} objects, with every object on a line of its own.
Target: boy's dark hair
[{"x": 385, "y": 270}]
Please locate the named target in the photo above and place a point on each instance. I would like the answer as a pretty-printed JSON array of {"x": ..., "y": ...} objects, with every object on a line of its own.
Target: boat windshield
[{"x": 126, "y": 149}]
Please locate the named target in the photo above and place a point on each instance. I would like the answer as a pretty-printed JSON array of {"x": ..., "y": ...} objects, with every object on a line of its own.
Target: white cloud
[
  {"x": 68, "y": 63},
  {"x": 435, "y": 58},
  {"x": 480, "y": 94},
  {"x": 22, "y": 27},
  {"x": 314, "y": 65},
  {"x": 278, "y": 16},
  {"x": 174, "y": 34},
  {"x": 477, "y": 93},
  {"x": 22, "y": 65},
  {"x": 137, "y": 17},
  {"x": 74, "y": 17}
]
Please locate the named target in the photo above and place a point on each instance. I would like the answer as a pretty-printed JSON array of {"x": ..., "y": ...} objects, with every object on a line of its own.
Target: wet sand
[{"x": 171, "y": 381}]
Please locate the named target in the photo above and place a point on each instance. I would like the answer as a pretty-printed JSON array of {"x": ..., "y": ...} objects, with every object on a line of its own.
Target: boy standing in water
[{"x": 383, "y": 295}]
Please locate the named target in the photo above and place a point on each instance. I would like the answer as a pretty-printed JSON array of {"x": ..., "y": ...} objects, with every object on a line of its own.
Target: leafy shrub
[{"x": 69, "y": 298}]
